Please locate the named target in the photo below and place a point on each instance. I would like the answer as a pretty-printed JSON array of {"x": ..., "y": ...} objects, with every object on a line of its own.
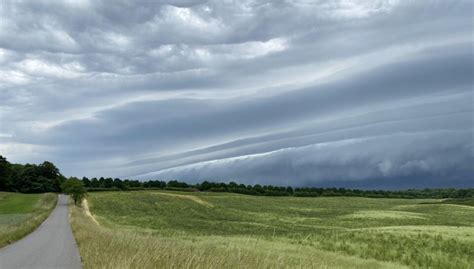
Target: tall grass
[
  {"x": 107, "y": 247},
  {"x": 343, "y": 232},
  {"x": 420, "y": 249},
  {"x": 20, "y": 214}
]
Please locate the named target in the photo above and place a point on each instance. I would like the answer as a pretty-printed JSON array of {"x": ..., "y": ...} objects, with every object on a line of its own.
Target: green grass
[
  {"x": 464, "y": 201},
  {"x": 20, "y": 214},
  {"x": 152, "y": 229}
]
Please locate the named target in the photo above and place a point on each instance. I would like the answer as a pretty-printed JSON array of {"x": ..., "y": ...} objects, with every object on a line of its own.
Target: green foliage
[
  {"x": 75, "y": 188},
  {"x": 29, "y": 178},
  {"x": 5, "y": 173}
]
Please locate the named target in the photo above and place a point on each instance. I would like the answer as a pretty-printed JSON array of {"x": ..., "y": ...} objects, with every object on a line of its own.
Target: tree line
[
  {"x": 269, "y": 190},
  {"x": 33, "y": 178},
  {"x": 45, "y": 177},
  {"x": 30, "y": 178}
]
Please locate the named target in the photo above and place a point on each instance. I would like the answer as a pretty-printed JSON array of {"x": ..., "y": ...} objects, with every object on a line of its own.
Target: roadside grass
[
  {"x": 20, "y": 214},
  {"x": 153, "y": 229}
]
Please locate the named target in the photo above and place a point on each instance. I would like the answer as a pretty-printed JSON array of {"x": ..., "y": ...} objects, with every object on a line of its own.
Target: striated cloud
[{"x": 370, "y": 94}]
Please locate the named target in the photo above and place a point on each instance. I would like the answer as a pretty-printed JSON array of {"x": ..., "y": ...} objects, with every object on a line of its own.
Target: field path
[
  {"x": 52, "y": 245},
  {"x": 85, "y": 205},
  {"x": 189, "y": 197}
]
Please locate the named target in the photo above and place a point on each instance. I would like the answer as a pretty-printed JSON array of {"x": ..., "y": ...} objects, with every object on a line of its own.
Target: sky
[{"x": 362, "y": 94}]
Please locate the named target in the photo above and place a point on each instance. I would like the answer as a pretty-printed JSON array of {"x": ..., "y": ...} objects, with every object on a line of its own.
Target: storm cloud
[{"x": 367, "y": 94}]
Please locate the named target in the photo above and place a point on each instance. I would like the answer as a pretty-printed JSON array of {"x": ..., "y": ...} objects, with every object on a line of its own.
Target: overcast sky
[{"x": 369, "y": 94}]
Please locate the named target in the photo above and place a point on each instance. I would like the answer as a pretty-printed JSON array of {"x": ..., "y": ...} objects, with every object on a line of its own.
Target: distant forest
[{"x": 46, "y": 177}]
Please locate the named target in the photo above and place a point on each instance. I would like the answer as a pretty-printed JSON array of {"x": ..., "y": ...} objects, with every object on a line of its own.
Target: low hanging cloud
[
  {"x": 390, "y": 161},
  {"x": 349, "y": 93}
]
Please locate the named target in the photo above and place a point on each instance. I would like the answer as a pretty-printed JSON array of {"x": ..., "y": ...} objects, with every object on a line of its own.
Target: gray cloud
[
  {"x": 387, "y": 158},
  {"x": 365, "y": 94}
]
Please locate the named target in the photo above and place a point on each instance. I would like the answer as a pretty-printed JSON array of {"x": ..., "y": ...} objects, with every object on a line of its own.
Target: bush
[{"x": 75, "y": 188}]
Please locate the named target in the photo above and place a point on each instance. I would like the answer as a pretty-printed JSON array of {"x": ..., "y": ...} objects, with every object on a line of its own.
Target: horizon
[
  {"x": 358, "y": 95},
  {"x": 341, "y": 185}
]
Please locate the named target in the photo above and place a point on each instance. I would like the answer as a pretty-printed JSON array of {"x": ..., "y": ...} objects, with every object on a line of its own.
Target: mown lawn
[
  {"x": 20, "y": 214},
  {"x": 152, "y": 229}
]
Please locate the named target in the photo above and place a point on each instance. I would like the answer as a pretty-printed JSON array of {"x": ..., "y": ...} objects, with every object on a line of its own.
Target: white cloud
[
  {"x": 359, "y": 8},
  {"x": 41, "y": 68},
  {"x": 9, "y": 77}
]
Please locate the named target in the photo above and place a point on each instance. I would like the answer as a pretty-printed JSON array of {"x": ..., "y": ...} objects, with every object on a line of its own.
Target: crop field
[
  {"x": 156, "y": 229},
  {"x": 20, "y": 214}
]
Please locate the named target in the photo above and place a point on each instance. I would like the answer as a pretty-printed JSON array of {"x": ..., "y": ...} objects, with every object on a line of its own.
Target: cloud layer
[{"x": 375, "y": 94}]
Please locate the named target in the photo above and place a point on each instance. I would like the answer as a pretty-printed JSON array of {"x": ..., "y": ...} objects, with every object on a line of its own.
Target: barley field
[{"x": 157, "y": 229}]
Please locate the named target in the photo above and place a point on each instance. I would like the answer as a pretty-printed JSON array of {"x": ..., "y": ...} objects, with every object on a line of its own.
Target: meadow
[
  {"x": 156, "y": 229},
  {"x": 21, "y": 214}
]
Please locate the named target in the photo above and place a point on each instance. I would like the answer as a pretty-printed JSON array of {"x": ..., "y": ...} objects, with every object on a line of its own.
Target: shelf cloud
[{"x": 366, "y": 94}]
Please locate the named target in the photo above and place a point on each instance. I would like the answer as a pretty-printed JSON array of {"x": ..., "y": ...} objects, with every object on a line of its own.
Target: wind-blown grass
[
  {"x": 20, "y": 214},
  {"x": 105, "y": 247},
  {"x": 153, "y": 229}
]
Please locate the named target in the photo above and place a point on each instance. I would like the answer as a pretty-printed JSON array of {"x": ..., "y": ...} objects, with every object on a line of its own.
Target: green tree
[
  {"x": 118, "y": 183},
  {"x": 86, "y": 181},
  {"x": 95, "y": 183},
  {"x": 75, "y": 188},
  {"x": 49, "y": 170},
  {"x": 108, "y": 182},
  {"x": 5, "y": 173}
]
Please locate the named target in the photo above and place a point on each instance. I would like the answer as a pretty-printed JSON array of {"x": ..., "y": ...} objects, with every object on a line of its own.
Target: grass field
[
  {"x": 152, "y": 229},
  {"x": 20, "y": 214}
]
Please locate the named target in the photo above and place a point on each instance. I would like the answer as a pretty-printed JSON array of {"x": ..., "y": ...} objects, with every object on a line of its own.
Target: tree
[
  {"x": 95, "y": 183},
  {"x": 5, "y": 173},
  {"x": 118, "y": 183},
  {"x": 49, "y": 170},
  {"x": 86, "y": 181},
  {"x": 101, "y": 182},
  {"x": 75, "y": 188},
  {"x": 108, "y": 182}
]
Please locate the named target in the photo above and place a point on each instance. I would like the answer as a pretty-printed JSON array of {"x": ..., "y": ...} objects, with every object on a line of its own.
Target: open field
[
  {"x": 20, "y": 214},
  {"x": 153, "y": 229}
]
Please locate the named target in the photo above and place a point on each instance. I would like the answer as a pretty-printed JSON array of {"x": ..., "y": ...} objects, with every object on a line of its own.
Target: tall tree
[{"x": 5, "y": 173}]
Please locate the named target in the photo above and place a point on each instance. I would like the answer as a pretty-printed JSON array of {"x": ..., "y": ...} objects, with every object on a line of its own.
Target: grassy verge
[{"x": 20, "y": 214}]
